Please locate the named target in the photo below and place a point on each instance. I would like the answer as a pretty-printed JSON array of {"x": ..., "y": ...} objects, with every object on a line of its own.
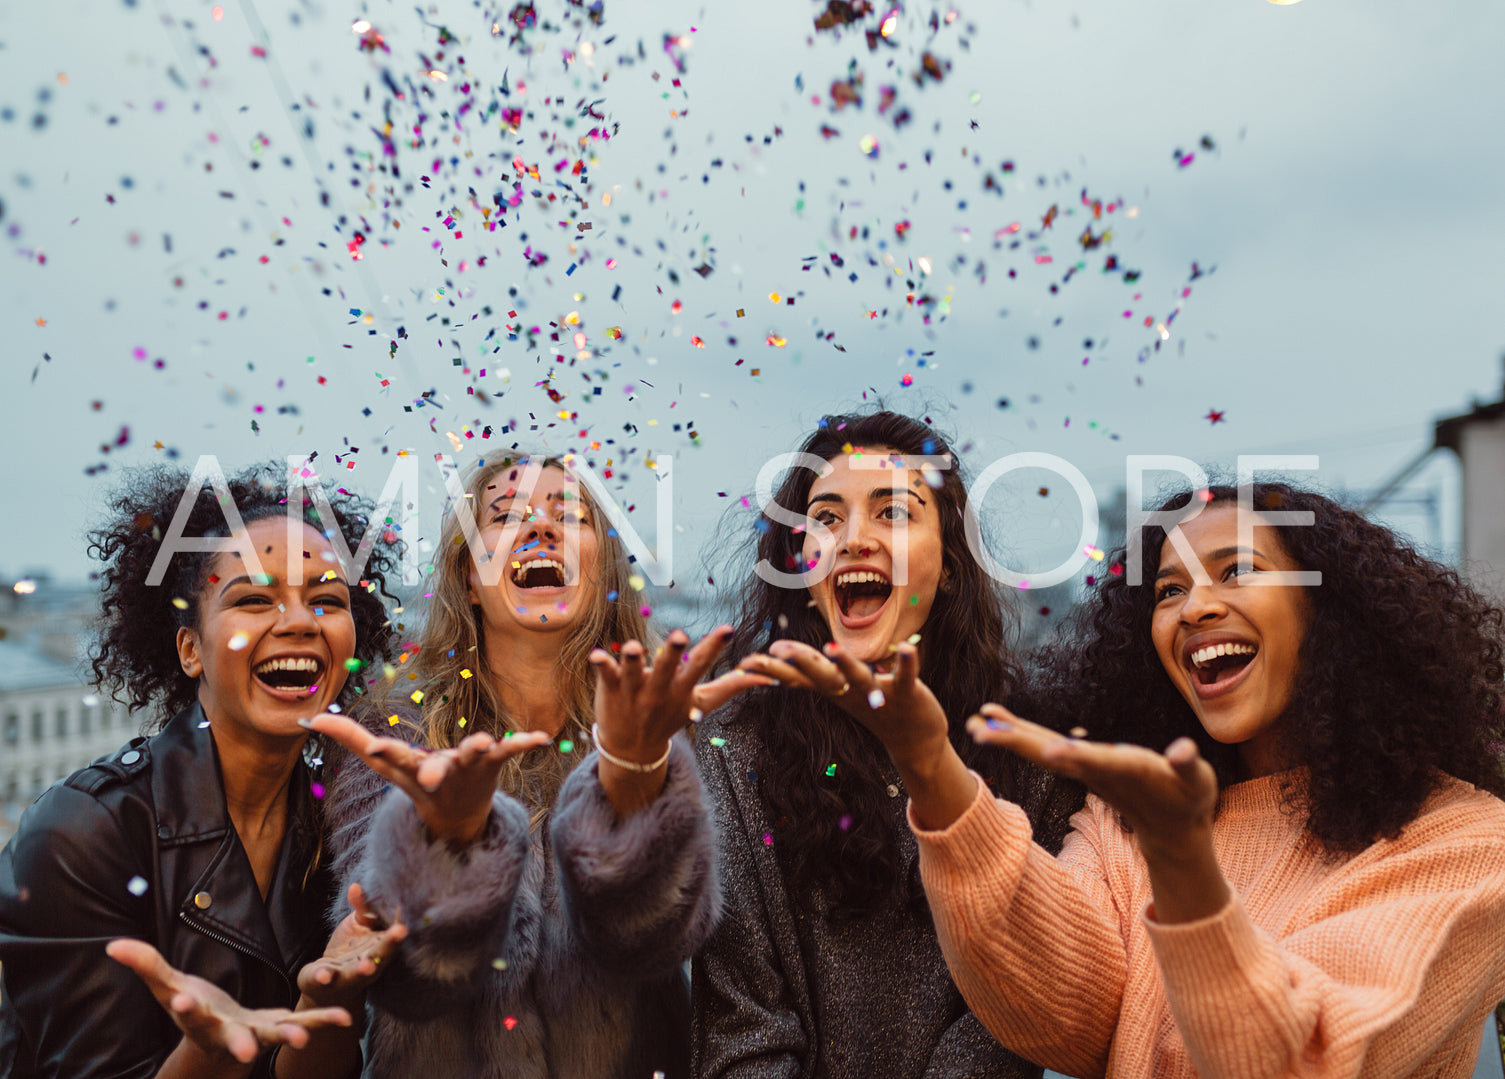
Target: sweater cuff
[
  {"x": 971, "y": 845},
  {"x": 455, "y": 902},
  {"x": 644, "y": 885},
  {"x": 1207, "y": 951}
]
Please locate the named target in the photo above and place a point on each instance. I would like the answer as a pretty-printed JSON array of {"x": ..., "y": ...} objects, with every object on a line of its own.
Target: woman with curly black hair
[
  {"x": 826, "y": 962},
  {"x": 1310, "y": 879},
  {"x": 185, "y": 867}
]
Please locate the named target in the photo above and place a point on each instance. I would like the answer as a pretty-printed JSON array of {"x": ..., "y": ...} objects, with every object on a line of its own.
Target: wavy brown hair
[
  {"x": 460, "y": 686},
  {"x": 1399, "y": 680},
  {"x": 135, "y": 657},
  {"x": 965, "y": 659}
]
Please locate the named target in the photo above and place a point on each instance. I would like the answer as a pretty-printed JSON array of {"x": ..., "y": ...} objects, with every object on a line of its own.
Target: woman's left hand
[
  {"x": 352, "y": 959},
  {"x": 1167, "y": 799},
  {"x": 216, "y": 1023},
  {"x": 897, "y": 707},
  {"x": 640, "y": 705}
]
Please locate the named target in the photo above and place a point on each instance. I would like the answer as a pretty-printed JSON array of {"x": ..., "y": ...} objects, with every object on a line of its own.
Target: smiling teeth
[
  {"x": 1213, "y": 651},
  {"x": 860, "y": 577},
  {"x": 287, "y": 665},
  {"x": 521, "y": 572}
]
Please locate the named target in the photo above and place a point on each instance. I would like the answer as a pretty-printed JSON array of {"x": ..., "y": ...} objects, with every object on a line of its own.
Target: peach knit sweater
[{"x": 1383, "y": 964}]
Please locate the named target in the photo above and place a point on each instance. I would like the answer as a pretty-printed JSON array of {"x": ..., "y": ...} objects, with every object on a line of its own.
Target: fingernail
[
  {"x": 1000, "y": 725},
  {"x": 306, "y": 724}
]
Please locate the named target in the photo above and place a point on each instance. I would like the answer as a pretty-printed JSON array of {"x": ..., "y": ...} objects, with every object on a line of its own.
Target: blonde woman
[{"x": 553, "y": 891}]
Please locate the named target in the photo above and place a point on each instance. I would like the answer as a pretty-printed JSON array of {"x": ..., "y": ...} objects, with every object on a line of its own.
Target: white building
[{"x": 51, "y": 723}]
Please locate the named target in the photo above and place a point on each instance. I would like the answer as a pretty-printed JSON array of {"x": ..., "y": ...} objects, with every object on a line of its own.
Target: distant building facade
[{"x": 51, "y": 721}]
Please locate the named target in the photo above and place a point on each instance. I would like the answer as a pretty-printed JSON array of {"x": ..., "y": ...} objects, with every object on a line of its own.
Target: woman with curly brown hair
[
  {"x": 185, "y": 867},
  {"x": 826, "y": 962},
  {"x": 1310, "y": 879}
]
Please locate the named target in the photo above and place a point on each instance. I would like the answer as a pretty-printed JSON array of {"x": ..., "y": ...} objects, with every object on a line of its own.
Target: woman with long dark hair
[
  {"x": 826, "y": 962},
  {"x": 1310, "y": 878},
  {"x": 543, "y": 832},
  {"x": 162, "y": 909}
]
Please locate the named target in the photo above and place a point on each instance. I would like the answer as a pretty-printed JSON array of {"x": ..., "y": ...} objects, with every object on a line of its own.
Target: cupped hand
[
  {"x": 213, "y": 1020},
  {"x": 896, "y": 706},
  {"x": 640, "y": 705},
  {"x": 450, "y": 788},
  {"x": 1167, "y": 798},
  {"x": 353, "y": 958}
]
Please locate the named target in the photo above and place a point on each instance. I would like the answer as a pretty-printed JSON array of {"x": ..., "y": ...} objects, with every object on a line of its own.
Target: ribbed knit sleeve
[
  {"x": 1390, "y": 976},
  {"x": 1380, "y": 964},
  {"x": 1034, "y": 943}
]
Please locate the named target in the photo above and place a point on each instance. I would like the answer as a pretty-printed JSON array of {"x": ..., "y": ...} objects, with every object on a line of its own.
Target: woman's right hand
[
  {"x": 450, "y": 788},
  {"x": 215, "y": 1023}
]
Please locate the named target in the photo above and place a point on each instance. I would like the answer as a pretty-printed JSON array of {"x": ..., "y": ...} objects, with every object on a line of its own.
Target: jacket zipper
[{"x": 242, "y": 949}]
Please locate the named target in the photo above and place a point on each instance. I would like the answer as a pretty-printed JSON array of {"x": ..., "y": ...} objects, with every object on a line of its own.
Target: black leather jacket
[{"x": 139, "y": 844}]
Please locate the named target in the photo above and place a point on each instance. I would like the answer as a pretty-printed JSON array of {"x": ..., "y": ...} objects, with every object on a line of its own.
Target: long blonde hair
[{"x": 459, "y": 686}]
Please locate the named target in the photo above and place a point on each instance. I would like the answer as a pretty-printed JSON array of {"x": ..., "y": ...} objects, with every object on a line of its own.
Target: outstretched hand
[
  {"x": 640, "y": 705},
  {"x": 353, "y": 958},
  {"x": 896, "y": 706},
  {"x": 1162, "y": 796},
  {"x": 1167, "y": 799},
  {"x": 213, "y": 1020},
  {"x": 450, "y": 788}
]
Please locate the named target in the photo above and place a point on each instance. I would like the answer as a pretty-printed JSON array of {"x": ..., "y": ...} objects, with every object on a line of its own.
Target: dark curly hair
[
  {"x": 1399, "y": 679},
  {"x": 965, "y": 659},
  {"x": 135, "y": 657}
]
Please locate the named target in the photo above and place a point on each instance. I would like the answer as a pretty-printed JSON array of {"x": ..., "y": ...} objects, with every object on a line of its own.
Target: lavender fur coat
[{"x": 550, "y": 956}]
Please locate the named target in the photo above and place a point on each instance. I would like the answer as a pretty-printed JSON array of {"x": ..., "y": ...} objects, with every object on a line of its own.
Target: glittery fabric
[{"x": 780, "y": 991}]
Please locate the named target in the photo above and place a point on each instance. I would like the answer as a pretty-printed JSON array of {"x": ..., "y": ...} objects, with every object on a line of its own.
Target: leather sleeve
[{"x": 66, "y": 890}]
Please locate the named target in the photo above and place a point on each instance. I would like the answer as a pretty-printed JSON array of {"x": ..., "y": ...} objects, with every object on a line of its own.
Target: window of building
[
  {"x": 36, "y": 724},
  {"x": 12, "y": 733},
  {"x": 60, "y": 722}
]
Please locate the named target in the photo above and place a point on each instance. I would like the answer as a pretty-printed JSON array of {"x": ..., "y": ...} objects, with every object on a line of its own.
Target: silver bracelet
[{"x": 626, "y": 765}]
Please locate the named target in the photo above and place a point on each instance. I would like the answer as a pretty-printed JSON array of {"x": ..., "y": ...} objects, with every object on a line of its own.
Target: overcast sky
[{"x": 164, "y": 201}]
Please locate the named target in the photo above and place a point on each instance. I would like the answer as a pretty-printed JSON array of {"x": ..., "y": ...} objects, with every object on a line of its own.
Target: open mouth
[
  {"x": 1217, "y": 664},
  {"x": 290, "y": 673},
  {"x": 540, "y": 573},
  {"x": 861, "y": 594}
]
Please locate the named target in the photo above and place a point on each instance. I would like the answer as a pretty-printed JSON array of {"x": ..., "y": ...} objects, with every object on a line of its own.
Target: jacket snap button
[
  {"x": 202, "y": 900},
  {"x": 130, "y": 757}
]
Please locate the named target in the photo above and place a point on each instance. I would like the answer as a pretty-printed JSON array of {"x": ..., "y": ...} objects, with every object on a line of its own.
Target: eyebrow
[
  {"x": 245, "y": 579},
  {"x": 552, "y": 496},
  {"x": 876, "y": 492},
  {"x": 1216, "y": 556}
]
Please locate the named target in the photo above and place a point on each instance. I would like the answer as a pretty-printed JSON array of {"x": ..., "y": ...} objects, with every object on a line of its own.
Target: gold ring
[{"x": 845, "y": 688}]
